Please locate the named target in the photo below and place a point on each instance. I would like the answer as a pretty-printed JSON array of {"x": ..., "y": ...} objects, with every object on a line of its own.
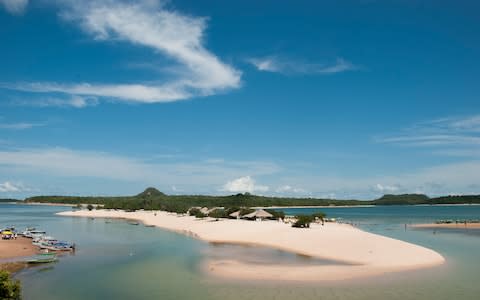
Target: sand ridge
[{"x": 369, "y": 254}]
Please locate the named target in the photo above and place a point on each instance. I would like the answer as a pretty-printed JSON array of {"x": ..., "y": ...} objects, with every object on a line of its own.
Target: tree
[
  {"x": 9, "y": 289},
  {"x": 303, "y": 221},
  {"x": 196, "y": 212},
  {"x": 90, "y": 207}
]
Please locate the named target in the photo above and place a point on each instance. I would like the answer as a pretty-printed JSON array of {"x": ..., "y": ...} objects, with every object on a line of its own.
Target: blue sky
[{"x": 349, "y": 99}]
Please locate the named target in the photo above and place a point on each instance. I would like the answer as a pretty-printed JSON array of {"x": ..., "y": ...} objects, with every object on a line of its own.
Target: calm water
[{"x": 116, "y": 260}]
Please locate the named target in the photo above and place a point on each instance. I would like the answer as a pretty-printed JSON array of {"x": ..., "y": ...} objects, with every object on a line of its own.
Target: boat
[
  {"x": 133, "y": 223},
  {"x": 33, "y": 233},
  {"x": 43, "y": 240},
  {"x": 58, "y": 246},
  {"x": 43, "y": 258}
]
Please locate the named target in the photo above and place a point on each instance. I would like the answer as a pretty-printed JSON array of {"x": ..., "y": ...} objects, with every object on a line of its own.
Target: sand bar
[
  {"x": 369, "y": 254},
  {"x": 449, "y": 225}
]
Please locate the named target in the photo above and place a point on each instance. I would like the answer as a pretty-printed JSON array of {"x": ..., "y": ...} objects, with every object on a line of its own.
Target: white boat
[
  {"x": 33, "y": 233},
  {"x": 43, "y": 240}
]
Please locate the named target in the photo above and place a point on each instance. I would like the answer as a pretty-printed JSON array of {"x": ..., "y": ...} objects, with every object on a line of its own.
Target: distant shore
[
  {"x": 45, "y": 204},
  {"x": 361, "y": 253},
  {"x": 448, "y": 225}
]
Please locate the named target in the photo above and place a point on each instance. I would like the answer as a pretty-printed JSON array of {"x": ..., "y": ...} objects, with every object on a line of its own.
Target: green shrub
[
  {"x": 218, "y": 213},
  {"x": 303, "y": 221},
  {"x": 9, "y": 289},
  {"x": 196, "y": 212},
  {"x": 276, "y": 214},
  {"x": 90, "y": 207}
]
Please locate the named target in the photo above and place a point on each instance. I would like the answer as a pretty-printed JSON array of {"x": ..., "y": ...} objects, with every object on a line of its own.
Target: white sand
[{"x": 372, "y": 254}]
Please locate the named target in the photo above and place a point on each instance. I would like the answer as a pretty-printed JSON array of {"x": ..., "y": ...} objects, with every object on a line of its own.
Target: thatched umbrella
[
  {"x": 259, "y": 213},
  {"x": 235, "y": 214}
]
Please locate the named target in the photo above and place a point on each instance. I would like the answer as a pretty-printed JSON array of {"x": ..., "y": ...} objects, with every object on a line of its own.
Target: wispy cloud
[
  {"x": 9, "y": 187},
  {"x": 16, "y": 7},
  {"x": 288, "y": 189},
  {"x": 73, "y": 101},
  {"x": 148, "y": 24},
  {"x": 62, "y": 162},
  {"x": 276, "y": 64},
  {"x": 19, "y": 126},
  {"x": 454, "y": 135}
]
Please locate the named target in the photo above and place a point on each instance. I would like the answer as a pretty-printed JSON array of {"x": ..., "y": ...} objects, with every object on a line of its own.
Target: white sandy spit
[{"x": 369, "y": 254}]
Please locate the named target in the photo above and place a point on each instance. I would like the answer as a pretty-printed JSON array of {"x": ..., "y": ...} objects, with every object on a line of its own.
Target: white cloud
[
  {"x": 146, "y": 23},
  {"x": 286, "y": 189},
  {"x": 243, "y": 185},
  {"x": 19, "y": 126},
  {"x": 195, "y": 176},
  {"x": 74, "y": 101},
  {"x": 386, "y": 188},
  {"x": 8, "y": 187},
  {"x": 16, "y": 7},
  {"x": 288, "y": 66}
]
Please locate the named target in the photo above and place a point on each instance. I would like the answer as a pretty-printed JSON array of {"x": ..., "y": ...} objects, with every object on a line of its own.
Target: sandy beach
[
  {"x": 360, "y": 253},
  {"x": 16, "y": 248}
]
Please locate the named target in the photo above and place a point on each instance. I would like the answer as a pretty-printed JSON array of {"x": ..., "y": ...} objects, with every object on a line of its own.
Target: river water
[{"x": 116, "y": 260}]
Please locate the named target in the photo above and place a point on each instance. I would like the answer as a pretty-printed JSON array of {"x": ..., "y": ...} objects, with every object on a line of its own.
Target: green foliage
[
  {"x": 218, "y": 213},
  {"x": 196, "y": 212},
  {"x": 276, "y": 214},
  {"x": 9, "y": 288},
  {"x": 152, "y": 199},
  {"x": 303, "y": 221},
  {"x": 90, "y": 207},
  {"x": 230, "y": 210}
]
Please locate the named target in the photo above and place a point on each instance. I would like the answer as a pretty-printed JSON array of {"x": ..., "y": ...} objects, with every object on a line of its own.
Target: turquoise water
[{"x": 116, "y": 260}]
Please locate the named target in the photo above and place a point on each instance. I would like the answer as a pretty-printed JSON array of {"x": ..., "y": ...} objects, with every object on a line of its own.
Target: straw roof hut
[{"x": 259, "y": 214}]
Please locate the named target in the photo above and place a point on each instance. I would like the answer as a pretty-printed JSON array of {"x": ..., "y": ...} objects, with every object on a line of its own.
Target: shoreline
[
  {"x": 13, "y": 251},
  {"x": 366, "y": 254}
]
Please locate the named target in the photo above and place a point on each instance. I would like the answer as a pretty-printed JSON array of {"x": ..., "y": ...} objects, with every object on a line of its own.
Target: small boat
[
  {"x": 43, "y": 258},
  {"x": 43, "y": 240},
  {"x": 58, "y": 246},
  {"x": 33, "y": 233},
  {"x": 133, "y": 223}
]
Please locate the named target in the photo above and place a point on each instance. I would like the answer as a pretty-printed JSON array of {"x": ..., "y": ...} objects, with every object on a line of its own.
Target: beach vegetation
[
  {"x": 276, "y": 214},
  {"x": 196, "y": 213},
  {"x": 9, "y": 289},
  {"x": 90, "y": 207},
  {"x": 218, "y": 213},
  {"x": 303, "y": 221},
  {"x": 319, "y": 216}
]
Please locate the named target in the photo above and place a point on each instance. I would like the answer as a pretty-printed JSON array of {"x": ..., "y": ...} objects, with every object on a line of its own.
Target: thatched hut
[{"x": 258, "y": 214}]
